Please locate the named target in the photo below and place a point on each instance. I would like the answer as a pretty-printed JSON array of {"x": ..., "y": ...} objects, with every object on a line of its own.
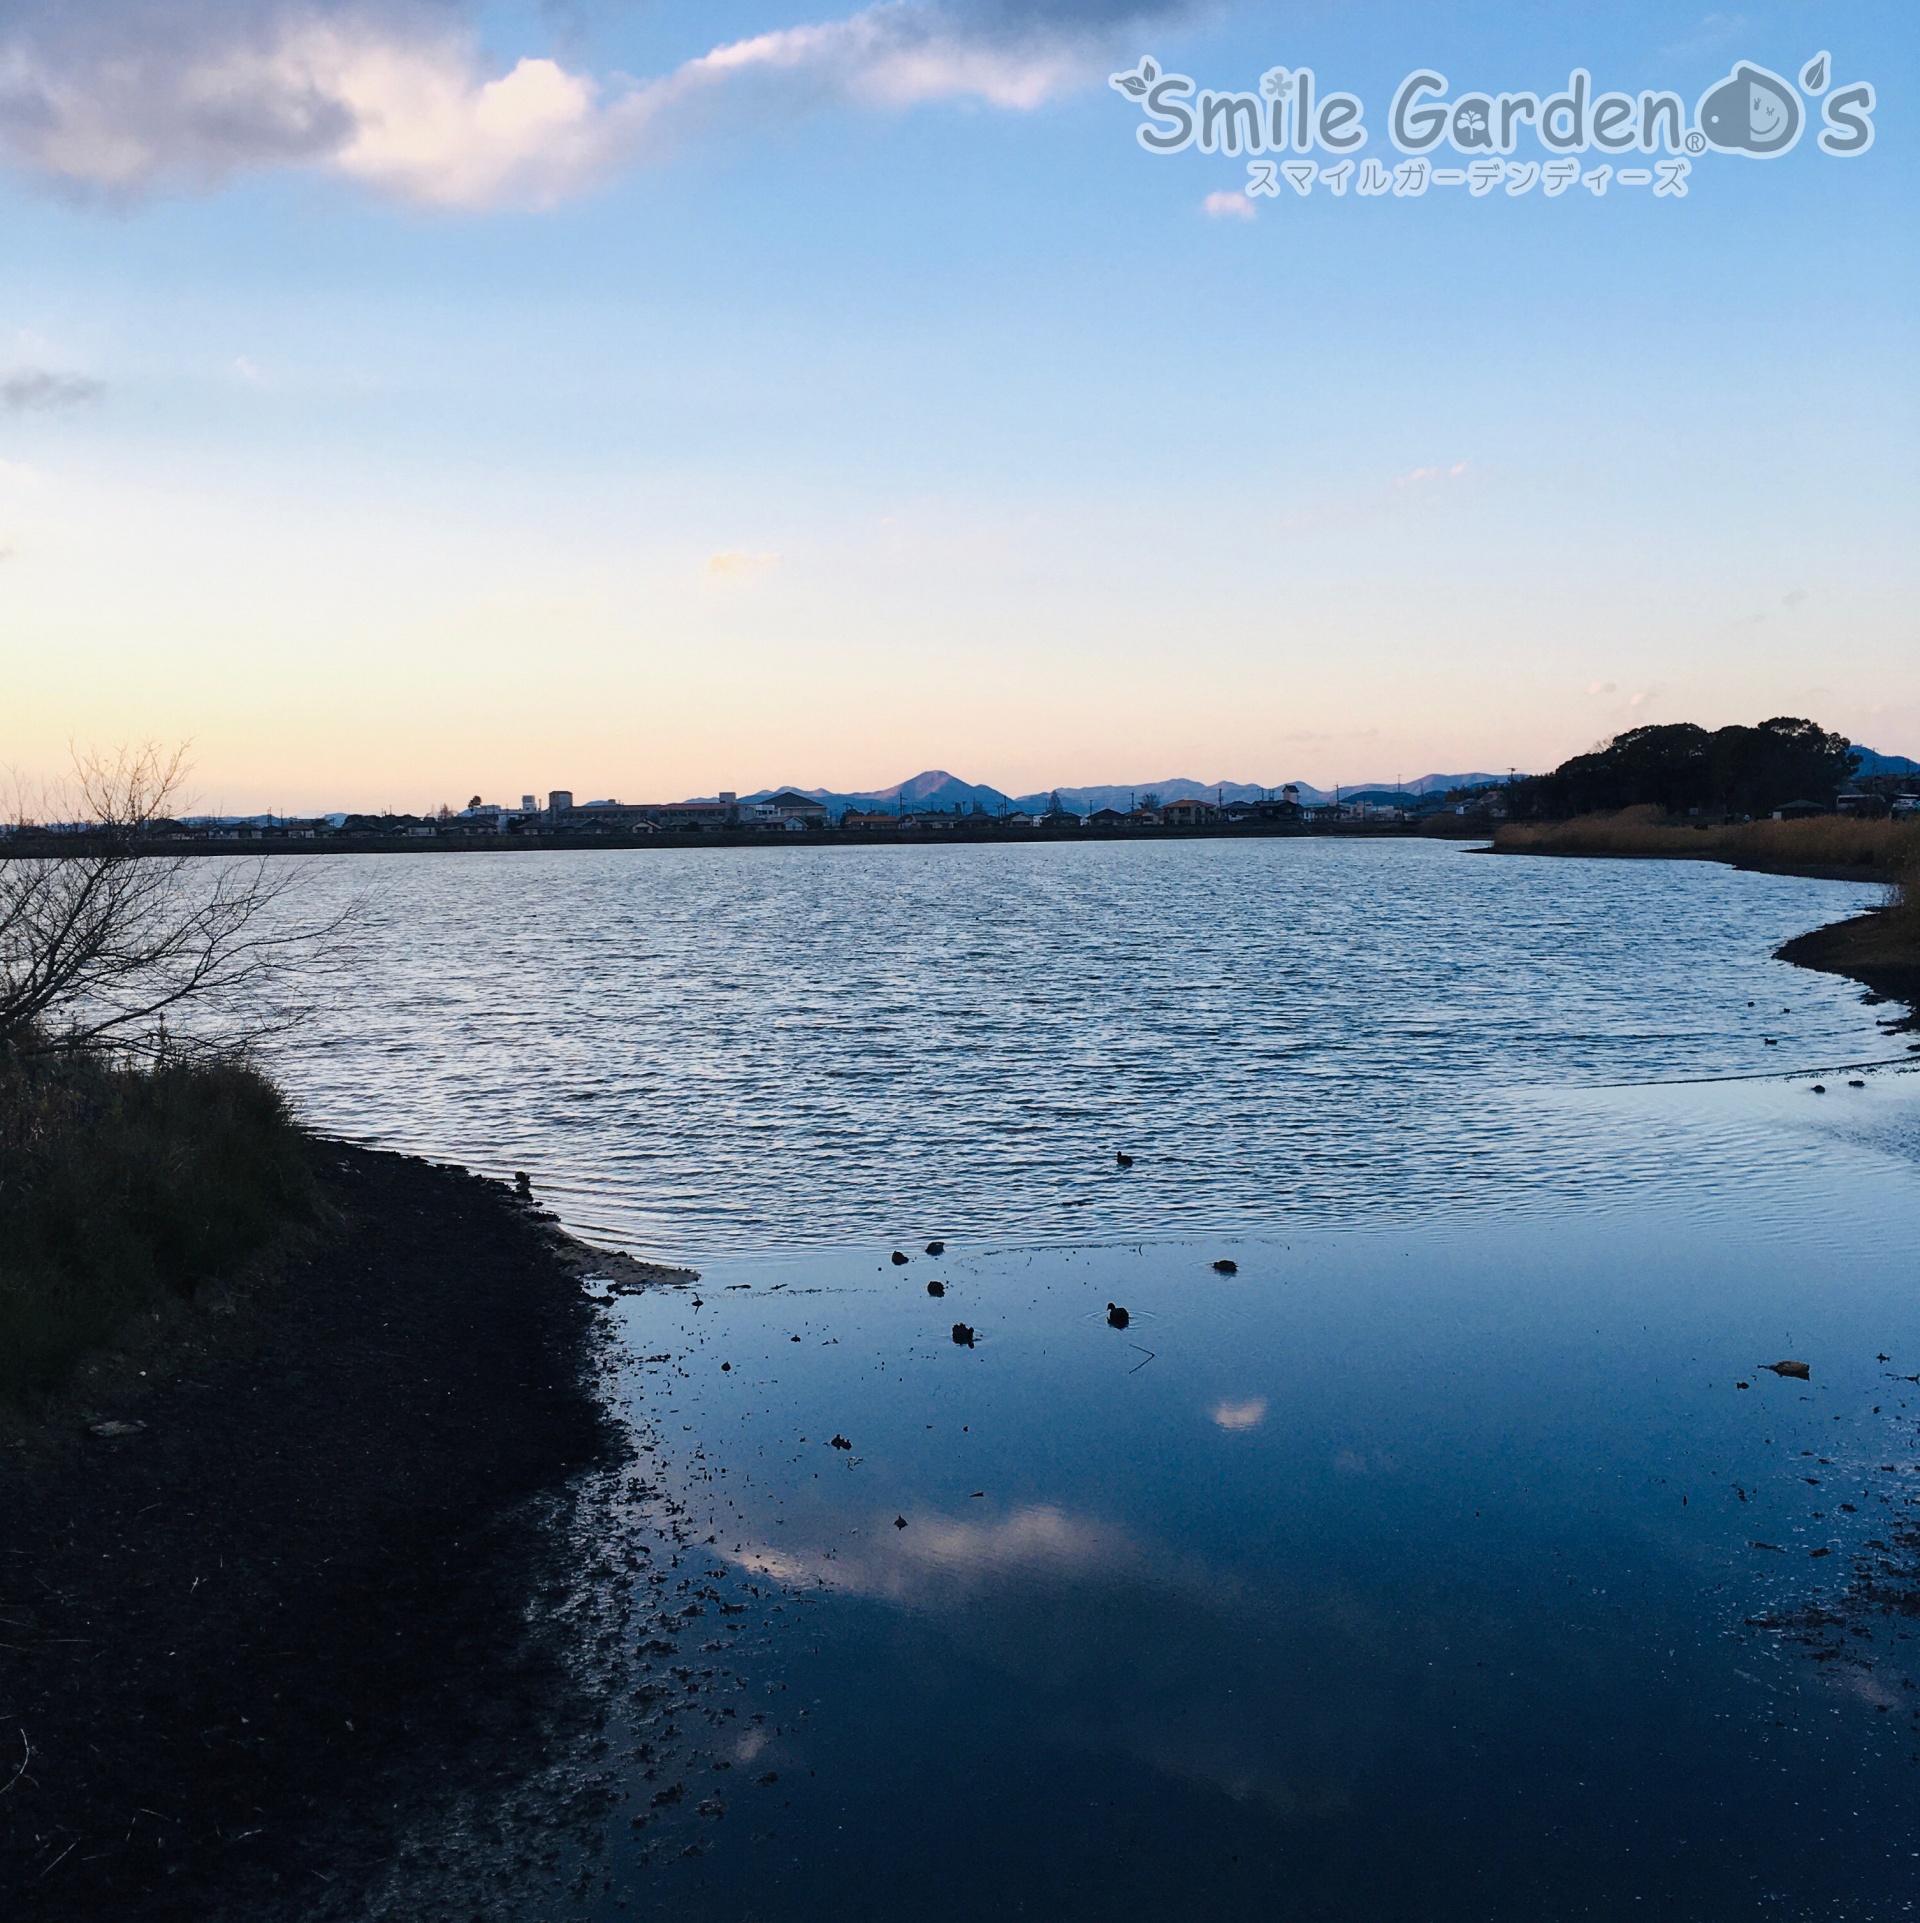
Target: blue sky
[{"x": 864, "y": 398}]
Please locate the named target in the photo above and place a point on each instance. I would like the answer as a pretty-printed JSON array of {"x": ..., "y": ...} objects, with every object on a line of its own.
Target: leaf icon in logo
[
  {"x": 1128, "y": 83},
  {"x": 1813, "y": 76}
]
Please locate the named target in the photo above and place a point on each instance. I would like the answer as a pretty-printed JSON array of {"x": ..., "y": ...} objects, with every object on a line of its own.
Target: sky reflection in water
[
  {"x": 1407, "y": 1571},
  {"x": 1410, "y": 1571}
]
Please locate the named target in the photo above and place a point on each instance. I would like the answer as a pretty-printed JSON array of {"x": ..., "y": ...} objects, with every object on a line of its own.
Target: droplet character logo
[{"x": 1752, "y": 112}]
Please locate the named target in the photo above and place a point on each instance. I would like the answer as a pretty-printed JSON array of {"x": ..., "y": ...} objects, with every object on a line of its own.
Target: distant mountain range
[{"x": 936, "y": 789}]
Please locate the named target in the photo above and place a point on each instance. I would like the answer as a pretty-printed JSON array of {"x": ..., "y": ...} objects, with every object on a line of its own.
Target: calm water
[{"x": 1432, "y": 1564}]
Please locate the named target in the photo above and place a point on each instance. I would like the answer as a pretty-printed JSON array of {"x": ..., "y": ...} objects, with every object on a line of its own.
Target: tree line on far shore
[{"x": 1686, "y": 769}]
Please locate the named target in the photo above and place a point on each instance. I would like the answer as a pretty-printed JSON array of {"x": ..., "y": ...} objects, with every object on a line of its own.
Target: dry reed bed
[{"x": 1826, "y": 841}]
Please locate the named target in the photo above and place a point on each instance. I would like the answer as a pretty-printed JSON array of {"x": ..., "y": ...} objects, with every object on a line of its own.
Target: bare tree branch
[{"x": 106, "y": 942}]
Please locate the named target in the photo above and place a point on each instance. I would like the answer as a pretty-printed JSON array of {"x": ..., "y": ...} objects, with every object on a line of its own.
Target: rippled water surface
[
  {"x": 1447, "y": 1556},
  {"x": 732, "y": 1050}
]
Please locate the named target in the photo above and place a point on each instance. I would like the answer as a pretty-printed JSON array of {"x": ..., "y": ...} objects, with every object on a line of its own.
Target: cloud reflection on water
[{"x": 1276, "y": 1690}]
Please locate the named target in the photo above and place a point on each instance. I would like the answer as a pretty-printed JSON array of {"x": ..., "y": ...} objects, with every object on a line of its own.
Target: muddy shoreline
[
  {"x": 1872, "y": 949},
  {"x": 277, "y": 1575}
]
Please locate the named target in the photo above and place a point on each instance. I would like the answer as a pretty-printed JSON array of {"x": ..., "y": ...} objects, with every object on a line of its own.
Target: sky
[{"x": 408, "y": 400}]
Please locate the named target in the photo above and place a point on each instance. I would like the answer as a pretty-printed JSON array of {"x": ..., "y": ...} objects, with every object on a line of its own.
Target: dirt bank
[
  {"x": 273, "y": 1575},
  {"x": 1879, "y": 950}
]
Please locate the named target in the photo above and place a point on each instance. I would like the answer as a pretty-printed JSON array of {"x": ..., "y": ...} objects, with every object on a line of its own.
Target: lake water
[{"x": 1449, "y": 1558}]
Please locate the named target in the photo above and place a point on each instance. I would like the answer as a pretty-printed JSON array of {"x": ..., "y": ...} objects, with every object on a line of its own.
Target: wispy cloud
[
  {"x": 737, "y": 565},
  {"x": 400, "y": 95},
  {"x": 1710, "y": 34},
  {"x": 1222, "y": 206},
  {"x": 37, "y": 390},
  {"x": 1426, "y": 476}
]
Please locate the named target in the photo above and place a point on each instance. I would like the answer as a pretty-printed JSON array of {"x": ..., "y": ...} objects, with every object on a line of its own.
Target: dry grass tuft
[{"x": 126, "y": 1183}]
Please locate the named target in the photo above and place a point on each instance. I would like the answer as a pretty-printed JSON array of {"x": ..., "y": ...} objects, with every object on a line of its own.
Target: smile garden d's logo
[{"x": 1291, "y": 133}]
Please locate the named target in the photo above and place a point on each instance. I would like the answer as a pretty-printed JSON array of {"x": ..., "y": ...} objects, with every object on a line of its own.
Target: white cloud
[
  {"x": 399, "y": 95},
  {"x": 1241, "y": 1415},
  {"x": 1602, "y": 687},
  {"x": 1228, "y": 206}
]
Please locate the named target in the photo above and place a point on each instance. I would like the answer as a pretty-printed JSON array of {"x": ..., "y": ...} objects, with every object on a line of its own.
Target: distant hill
[{"x": 1879, "y": 764}]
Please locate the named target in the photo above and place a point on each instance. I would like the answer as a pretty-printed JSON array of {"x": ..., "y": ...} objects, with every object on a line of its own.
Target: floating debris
[
  {"x": 899, "y": 1522},
  {"x": 900, "y": 1260},
  {"x": 1224, "y": 1267},
  {"x": 936, "y": 1287},
  {"x": 1798, "y": 1370},
  {"x": 1819, "y": 1088},
  {"x": 725, "y": 1366},
  {"x": 936, "y": 1248},
  {"x": 1117, "y": 1317},
  {"x": 839, "y": 1442},
  {"x": 112, "y": 1431},
  {"x": 963, "y": 1335}
]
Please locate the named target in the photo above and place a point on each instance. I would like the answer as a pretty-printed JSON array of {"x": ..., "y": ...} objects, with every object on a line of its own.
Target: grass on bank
[
  {"x": 1822, "y": 841},
  {"x": 124, "y": 1184}
]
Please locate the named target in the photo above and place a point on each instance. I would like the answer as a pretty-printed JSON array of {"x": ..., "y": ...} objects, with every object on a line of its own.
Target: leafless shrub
[{"x": 100, "y": 945}]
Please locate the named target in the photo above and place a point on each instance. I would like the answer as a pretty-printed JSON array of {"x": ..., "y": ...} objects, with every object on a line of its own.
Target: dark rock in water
[
  {"x": 671, "y": 1794},
  {"x": 725, "y": 1367},
  {"x": 839, "y": 1442},
  {"x": 1819, "y": 1088},
  {"x": 936, "y": 1248},
  {"x": 899, "y": 1260},
  {"x": 1117, "y": 1317},
  {"x": 1224, "y": 1267},
  {"x": 1125, "y": 1161},
  {"x": 1856, "y": 1084},
  {"x": 963, "y": 1335},
  {"x": 899, "y": 1522},
  {"x": 1798, "y": 1370},
  {"x": 522, "y": 1183},
  {"x": 936, "y": 1288},
  {"x": 772, "y": 1776}
]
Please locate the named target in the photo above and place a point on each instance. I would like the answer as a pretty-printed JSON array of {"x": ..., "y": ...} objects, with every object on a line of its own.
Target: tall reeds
[{"x": 1823, "y": 841}]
